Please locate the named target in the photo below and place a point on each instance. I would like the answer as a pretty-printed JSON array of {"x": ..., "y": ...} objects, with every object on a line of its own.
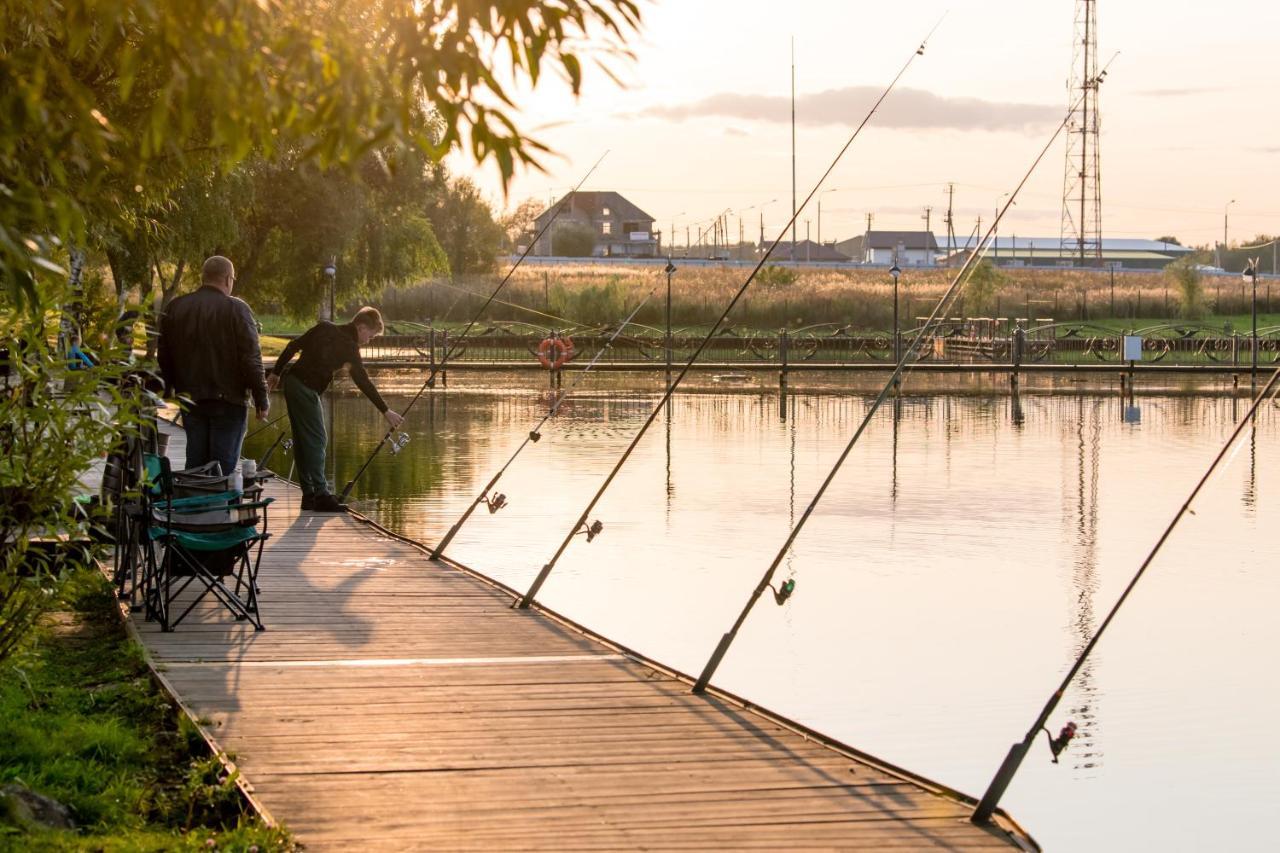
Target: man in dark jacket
[
  {"x": 325, "y": 348},
  {"x": 209, "y": 353}
]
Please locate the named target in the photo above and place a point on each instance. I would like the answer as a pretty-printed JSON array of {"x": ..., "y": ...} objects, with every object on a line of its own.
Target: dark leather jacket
[{"x": 209, "y": 349}]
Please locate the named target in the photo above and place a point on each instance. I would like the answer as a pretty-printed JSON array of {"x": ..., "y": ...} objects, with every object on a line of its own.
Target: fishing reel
[
  {"x": 534, "y": 435},
  {"x": 783, "y": 592},
  {"x": 287, "y": 444},
  {"x": 1059, "y": 743},
  {"x": 591, "y": 530},
  {"x": 397, "y": 443},
  {"x": 494, "y": 503}
]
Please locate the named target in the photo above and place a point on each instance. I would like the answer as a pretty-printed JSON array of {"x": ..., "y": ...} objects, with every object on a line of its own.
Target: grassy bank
[
  {"x": 862, "y": 298},
  {"x": 82, "y": 722}
]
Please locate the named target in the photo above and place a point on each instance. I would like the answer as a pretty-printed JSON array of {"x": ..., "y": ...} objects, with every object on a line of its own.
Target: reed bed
[{"x": 785, "y": 298}]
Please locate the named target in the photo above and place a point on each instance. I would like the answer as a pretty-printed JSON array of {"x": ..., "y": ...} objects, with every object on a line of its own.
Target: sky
[{"x": 700, "y": 120}]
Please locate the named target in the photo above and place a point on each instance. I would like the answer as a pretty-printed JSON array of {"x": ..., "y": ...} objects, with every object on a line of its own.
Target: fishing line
[
  {"x": 543, "y": 314},
  {"x": 987, "y": 806},
  {"x": 497, "y": 501},
  {"x": 962, "y": 276},
  {"x": 581, "y": 525},
  {"x": 404, "y": 436}
]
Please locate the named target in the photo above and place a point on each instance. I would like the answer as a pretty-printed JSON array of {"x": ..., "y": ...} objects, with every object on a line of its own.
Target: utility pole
[
  {"x": 928, "y": 229},
  {"x": 807, "y": 243},
  {"x": 793, "y": 149},
  {"x": 866, "y": 238},
  {"x": 761, "y": 247},
  {"x": 741, "y": 237},
  {"x": 951, "y": 224}
]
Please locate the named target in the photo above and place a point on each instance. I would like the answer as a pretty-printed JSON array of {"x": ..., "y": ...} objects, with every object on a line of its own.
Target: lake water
[{"x": 959, "y": 562}]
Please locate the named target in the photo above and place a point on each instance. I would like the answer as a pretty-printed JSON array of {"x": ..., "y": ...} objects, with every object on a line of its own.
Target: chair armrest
[{"x": 202, "y": 501}]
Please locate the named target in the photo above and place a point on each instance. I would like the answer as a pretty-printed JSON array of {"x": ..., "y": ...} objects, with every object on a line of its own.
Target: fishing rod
[
  {"x": 581, "y": 526},
  {"x": 265, "y": 426},
  {"x": 462, "y": 290},
  {"x": 497, "y": 501},
  {"x": 782, "y": 593},
  {"x": 987, "y": 806},
  {"x": 453, "y": 348}
]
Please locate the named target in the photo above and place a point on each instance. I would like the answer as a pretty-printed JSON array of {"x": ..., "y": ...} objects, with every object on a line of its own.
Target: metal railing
[{"x": 975, "y": 340}]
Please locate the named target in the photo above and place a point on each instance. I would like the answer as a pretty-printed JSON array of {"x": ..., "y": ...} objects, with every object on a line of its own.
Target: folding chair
[
  {"x": 122, "y": 479},
  {"x": 205, "y": 540}
]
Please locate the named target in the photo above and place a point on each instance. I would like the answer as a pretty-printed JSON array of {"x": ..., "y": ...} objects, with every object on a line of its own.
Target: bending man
[{"x": 325, "y": 348}]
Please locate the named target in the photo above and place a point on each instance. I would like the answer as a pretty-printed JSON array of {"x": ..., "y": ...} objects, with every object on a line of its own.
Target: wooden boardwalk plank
[{"x": 396, "y": 703}]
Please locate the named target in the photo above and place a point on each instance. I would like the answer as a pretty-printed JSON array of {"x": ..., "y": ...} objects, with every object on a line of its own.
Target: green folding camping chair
[{"x": 210, "y": 544}]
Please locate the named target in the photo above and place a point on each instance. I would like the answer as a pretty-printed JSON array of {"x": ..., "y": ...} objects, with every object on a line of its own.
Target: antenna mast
[{"x": 1081, "y": 233}]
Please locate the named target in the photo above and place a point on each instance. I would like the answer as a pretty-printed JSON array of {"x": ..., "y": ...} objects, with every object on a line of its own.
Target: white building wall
[{"x": 905, "y": 257}]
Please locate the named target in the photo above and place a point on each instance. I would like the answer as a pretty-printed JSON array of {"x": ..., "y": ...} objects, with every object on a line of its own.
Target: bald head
[{"x": 218, "y": 272}]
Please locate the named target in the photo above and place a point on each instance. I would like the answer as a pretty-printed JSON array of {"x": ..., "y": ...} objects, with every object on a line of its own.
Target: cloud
[
  {"x": 904, "y": 109},
  {"x": 735, "y": 131},
  {"x": 1179, "y": 93}
]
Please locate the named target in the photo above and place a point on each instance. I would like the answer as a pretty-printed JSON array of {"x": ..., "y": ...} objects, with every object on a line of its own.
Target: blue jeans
[{"x": 215, "y": 431}]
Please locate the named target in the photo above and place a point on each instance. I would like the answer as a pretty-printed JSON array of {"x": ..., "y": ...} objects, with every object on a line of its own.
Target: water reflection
[{"x": 955, "y": 569}]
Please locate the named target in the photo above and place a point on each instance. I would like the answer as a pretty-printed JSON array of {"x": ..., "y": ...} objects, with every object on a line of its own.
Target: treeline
[{"x": 395, "y": 217}]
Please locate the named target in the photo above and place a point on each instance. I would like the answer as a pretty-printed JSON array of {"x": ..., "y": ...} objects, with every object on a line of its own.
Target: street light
[
  {"x": 1251, "y": 272},
  {"x": 820, "y": 195},
  {"x": 671, "y": 268},
  {"x": 331, "y": 272},
  {"x": 1222, "y": 252},
  {"x": 995, "y": 230},
  {"x": 897, "y": 341}
]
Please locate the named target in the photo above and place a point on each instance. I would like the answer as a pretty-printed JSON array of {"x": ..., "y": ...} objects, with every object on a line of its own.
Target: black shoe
[
  {"x": 328, "y": 503},
  {"x": 308, "y": 503}
]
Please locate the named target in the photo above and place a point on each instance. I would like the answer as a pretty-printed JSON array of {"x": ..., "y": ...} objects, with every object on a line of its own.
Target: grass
[
  {"x": 860, "y": 298},
  {"x": 82, "y": 722}
]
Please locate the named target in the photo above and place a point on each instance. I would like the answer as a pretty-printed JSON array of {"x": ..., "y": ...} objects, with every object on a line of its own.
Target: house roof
[
  {"x": 593, "y": 203},
  {"x": 908, "y": 240},
  {"x": 1049, "y": 245},
  {"x": 807, "y": 250}
]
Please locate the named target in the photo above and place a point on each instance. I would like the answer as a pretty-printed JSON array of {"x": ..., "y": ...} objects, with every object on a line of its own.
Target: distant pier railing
[{"x": 977, "y": 342}]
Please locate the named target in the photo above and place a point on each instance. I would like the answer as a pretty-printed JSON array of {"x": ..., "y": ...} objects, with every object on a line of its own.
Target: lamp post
[
  {"x": 820, "y": 195},
  {"x": 995, "y": 231},
  {"x": 671, "y": 268},
  {"x": 1251, "y": 272},
  {"x": 897, "y": 341},
  {"x": 331, "y": 272},
  {"x": 1226, "y": 208}
]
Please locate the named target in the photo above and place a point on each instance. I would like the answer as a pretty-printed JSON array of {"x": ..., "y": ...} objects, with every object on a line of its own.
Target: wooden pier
[{"x": 395, "y": 702}]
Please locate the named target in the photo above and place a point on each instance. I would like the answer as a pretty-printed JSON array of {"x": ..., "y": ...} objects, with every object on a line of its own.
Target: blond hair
[{"x": 370, "y": 318}]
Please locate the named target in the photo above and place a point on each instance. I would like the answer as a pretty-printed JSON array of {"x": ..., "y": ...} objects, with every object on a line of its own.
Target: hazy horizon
[{"x": 701, "y": 122}]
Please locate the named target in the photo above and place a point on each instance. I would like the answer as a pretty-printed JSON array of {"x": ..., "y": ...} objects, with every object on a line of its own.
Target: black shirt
[
  {"x": 209, "y": 349},
  {"x": 326, "y": 348}
]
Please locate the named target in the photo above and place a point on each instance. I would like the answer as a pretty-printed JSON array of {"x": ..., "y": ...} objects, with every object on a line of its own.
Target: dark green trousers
[{"x": 307, "y": 420}]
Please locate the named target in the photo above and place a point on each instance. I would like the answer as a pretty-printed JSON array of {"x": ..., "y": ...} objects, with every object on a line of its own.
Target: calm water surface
[{"x": 959, "y": 562}]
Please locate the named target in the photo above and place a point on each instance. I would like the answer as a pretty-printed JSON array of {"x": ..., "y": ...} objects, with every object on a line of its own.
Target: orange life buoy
[
  {"x": 566, "y": 352},
  {"x": 544, "y": 352},
  {"x": 554, "y": 353}
]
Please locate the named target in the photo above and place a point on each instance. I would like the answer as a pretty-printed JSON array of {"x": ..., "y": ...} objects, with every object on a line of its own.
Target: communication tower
[{"x": 1082, "y": 178}]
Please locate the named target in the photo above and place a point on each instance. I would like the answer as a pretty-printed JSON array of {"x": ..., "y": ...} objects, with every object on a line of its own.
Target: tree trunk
[{"x": 167, "y": 292}]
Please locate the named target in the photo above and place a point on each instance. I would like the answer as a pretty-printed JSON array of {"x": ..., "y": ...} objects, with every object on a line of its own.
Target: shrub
[
  {"x": 573, "y": 241},
  {"x": 1189, "y": 288}
]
